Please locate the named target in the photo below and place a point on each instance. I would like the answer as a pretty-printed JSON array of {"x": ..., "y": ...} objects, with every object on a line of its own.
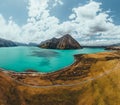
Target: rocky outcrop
[
  {"x": 65, "y": 42},
  {"x": 6, "y": 43},
  {"x": 113, "y": 48}
]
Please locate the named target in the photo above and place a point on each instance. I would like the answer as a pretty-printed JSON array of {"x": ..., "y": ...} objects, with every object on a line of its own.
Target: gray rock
[{"x": 65, "y": 42}]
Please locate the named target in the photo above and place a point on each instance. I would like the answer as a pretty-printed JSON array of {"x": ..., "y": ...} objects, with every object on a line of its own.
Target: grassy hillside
[{"x": 100, "y": 86}]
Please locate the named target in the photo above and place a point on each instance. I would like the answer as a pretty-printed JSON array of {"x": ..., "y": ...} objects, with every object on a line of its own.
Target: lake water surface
[{"x": 20, "y": 59}]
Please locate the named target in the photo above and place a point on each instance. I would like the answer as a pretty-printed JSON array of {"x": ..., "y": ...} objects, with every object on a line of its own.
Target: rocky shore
[
  {"x": 113, "y": 48},
  {"x": 91, "y": 79}
]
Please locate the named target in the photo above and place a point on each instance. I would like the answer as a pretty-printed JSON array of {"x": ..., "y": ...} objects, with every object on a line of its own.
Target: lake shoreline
[
  {"x": 88, "y": 74},
  {"x": 22, "y": 59},
  {"x": 78, "y": 71}
]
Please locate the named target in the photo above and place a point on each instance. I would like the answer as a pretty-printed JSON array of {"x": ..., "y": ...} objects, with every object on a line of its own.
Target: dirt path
[{"x": 68, "y": 85}]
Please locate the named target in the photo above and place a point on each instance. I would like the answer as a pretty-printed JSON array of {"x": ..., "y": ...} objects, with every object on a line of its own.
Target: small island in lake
[{"x": 65, "y": 42}]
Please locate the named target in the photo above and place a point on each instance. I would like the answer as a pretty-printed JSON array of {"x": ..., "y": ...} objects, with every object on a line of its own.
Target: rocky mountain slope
[
  {"x": 113, "y": 48},
  {"x": 7, "y": 43},
  {"x": 65, "y": 42},
  {"x": 93, "y": 79}
]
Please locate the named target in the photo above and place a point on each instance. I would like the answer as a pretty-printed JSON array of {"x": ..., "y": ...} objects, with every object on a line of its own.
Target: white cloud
[
  {"x": 40, "y": 24},
  {"x": 36, "y": 7},
  {"x": 9, "y": 29},
  {"x": 72, "y": 16},
  {"x": 90, "y": 20},
  {"x": 56, "y": 2},
  {"x": 88, "y": 11},
  {"x": 100, "y": 42},
  {"x": 85, "y": 21}
]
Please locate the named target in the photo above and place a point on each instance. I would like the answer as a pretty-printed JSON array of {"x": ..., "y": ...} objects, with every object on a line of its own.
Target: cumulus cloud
[
  {"x": 9, "y": 29},
  {"x": 88, "y": 11},
  {"x": 84, "y": 22},
  {"x": 36, "y": 7},
  {"x": 56, "y": 2},
  {"x": 72, "y": 16}
]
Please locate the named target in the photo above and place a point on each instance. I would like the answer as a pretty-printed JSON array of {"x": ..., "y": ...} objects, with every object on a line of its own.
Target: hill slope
[
  {"x": 6, "y": 43},
  {"x": 92, "y": 80},
  {"x": 65, "y": 42}
]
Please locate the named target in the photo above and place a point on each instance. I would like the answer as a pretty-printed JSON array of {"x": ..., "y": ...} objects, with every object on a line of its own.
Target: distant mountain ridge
[
  {"x": 65, "y": 42},
  {"x": 32, "y": 44},
  {"x": 7, "y": 43}
]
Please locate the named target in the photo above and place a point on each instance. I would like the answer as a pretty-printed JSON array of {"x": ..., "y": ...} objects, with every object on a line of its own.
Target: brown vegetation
[{"x": 92, "y": 80}]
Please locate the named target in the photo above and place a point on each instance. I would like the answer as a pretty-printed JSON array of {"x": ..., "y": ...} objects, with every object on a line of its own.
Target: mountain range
[
  {"x": 7, "y": 43},
  {"x": 65, "y": 42}
]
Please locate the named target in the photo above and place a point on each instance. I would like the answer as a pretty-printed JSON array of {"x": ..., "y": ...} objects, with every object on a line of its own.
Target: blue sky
[
  {"x": 26, "y": 19},
  {"x": 114, "y": 6},
  {"x": 15, "y": 8},
  {"x": 18, "y": 9}
]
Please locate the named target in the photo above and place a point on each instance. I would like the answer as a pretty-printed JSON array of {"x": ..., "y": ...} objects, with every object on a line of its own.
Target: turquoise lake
[{"x": 20, "y": 59}]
